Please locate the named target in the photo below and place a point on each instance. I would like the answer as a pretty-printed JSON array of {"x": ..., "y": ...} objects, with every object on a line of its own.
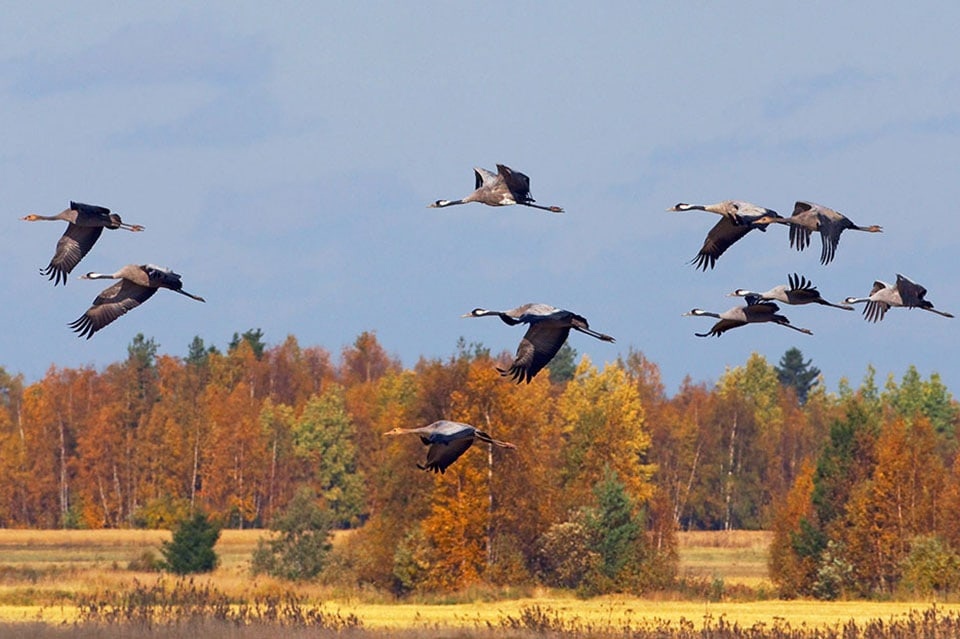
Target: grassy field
[
  {"x": 41, "y": 572},
  {"x": 737, "y": 557}
]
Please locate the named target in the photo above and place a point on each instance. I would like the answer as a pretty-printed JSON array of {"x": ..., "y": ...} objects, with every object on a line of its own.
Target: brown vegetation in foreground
[{"x": 190, "y": 611}]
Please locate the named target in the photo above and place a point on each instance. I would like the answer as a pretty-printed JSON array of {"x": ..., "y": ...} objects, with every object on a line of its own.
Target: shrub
[
  {"x": 147, "y": 561},
  {"x": 300, "y": 550},
  {"x": 411, "y": 562},
  {"x": 932, "y": 567},
  {"x": 564, "y": 556}
]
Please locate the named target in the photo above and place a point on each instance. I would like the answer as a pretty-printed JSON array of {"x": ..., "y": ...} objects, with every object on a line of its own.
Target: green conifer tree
[
  {"x": 191, "y": 549},
  {"x": 795, "y": 372}
]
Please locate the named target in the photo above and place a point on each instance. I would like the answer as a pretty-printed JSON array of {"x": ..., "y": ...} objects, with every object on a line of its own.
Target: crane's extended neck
[{"x": 439, "y": 204}]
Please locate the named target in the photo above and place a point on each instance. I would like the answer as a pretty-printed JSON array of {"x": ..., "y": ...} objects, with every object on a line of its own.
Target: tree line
[{"x": 607, "y": 467}]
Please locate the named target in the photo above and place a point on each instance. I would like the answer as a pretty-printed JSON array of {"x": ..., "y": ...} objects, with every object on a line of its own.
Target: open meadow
[{"x": 44, "y": 574}]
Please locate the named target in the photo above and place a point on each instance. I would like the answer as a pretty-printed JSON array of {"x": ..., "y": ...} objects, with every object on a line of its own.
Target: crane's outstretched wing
[
  {"x": 722, "y": 236},
  {"x": 113, "y": 302},
  {"x": 538, "y": 346},
  {"x": 72, "y": 246},
  {"x": 441, "y": 454}
]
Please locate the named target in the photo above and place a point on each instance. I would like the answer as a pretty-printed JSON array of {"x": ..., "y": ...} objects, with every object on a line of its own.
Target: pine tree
[
  {"x": 614, "y": 527},
  {"x": 253, "y": 337},
  {"x": 795, "y": 372}
]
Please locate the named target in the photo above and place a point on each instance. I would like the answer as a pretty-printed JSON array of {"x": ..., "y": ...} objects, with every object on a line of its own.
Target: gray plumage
[
  {"x": 85, "y": 223},
  {"x": 447, "y": 441},
  {"x": 503, "y": 188},
  {"x": 755, "y": 311},
  {"x": 798, "y": 291},
  {"x": 809, "y": 217},
  {"x": 737, "y": 219},
  {"x": 549, "y": 328},
  {"x": 137, "y": 284},
  {"x": 905, "y": 293}
]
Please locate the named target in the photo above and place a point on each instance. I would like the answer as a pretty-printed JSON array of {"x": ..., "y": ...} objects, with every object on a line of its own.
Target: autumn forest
[{"x": 860, "y": 486}]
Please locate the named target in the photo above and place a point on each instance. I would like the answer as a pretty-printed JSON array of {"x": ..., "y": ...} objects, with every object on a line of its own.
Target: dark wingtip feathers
[
  {"x": 517, "y": 374},
  {"x": 55, "y": 275},
  {"x": 83, "y": 326},
  {"x": 703, "y": 261}
]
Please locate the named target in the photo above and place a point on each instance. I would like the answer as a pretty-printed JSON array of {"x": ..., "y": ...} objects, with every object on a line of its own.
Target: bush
[
  {"x": 564, "y": 556},
  {"x": 300, "y": 551},
  {"x": 191, "y": 549},
  {"x": 835, "y": 573},
  {"x": 932, "y": 567},
  {"x": 411, "y": 562},
  {"x": 146, "y": 562}
]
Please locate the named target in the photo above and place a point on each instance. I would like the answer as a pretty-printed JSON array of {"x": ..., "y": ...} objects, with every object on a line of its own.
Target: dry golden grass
[
  {"x": 610, "y": 611},
  {"x": 725, "y": 538},
  {"x": 737, "y": 557}
]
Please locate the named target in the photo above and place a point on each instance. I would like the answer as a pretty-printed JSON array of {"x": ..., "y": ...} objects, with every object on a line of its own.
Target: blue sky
[{"x": 281, "y": 156}]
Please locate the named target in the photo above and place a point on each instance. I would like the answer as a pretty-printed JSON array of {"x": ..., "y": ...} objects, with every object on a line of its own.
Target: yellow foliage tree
[
  {"x": 519, "y": 484},
  {"x": 601, "y": 418},
  {"x": 793, "y": 573},
  {"x": 456, "y": 528}
]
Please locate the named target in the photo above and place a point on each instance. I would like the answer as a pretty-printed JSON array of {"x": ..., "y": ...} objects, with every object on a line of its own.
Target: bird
[
  {"x": 447, "y": 441},
  {"x": 549, "y": 328},
  {"x": 904, "y": 293},
  {"x": 755, "y": 311},
  {"x": 737, "y": 219},
  {"x": 798, "y": 291},
  {"x": 85, "y": 223},
  {"x": 137, "y": 284},
  {"x": 502, "y": 188},
  {"x": 808, "y": 217}
]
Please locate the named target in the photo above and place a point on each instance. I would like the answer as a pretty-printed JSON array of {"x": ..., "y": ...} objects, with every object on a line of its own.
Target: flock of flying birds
[
  {"x": 547, "y": 327},
  {"x": 737, "y": 218},
  {"x": 137, "y": 283}
]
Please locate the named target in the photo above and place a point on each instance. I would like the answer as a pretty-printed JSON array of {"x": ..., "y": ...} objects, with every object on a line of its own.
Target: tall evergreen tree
[
  {"x": 198, "y": 353},
  {"x": 254, "y": 337},
  {"x": 614, "y": 527},
  {"x": 795, "y": 372}
]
